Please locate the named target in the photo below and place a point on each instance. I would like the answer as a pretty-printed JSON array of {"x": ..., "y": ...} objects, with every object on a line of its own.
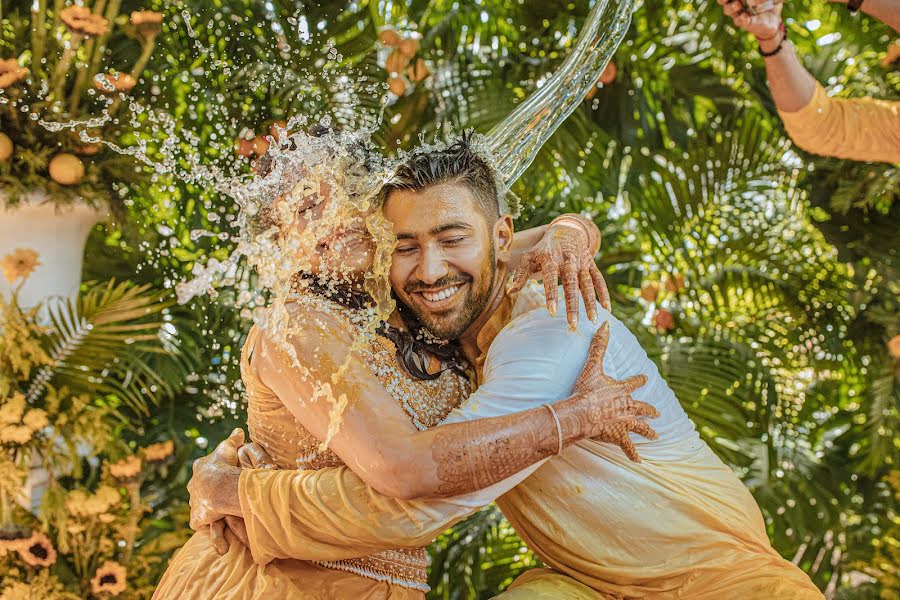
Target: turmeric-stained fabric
[
  {"x": 343, "y": 570},
  {"x": 863, "y": 129},
  {"x": 679, "y": 524}
]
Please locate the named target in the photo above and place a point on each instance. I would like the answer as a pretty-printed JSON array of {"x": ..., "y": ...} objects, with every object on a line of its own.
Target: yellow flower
[
  {"x": 109, "y": 579},
  {"x": 37, "y": 550},
  {"x": 80, "y": 504},
  {"x": 80, "y": 20},
  {"x": 15, "y": 434},
  {"x": 35, "y": 419},
  {"x": 75, "y": 528},
  {"x": 12, "y": 409},
  {"x": 126, "y": 468},
  {"x": 19, "y": 264},
  {"x": 11, "y": 72},
  {"x": 160, "y": 451},
  {"x": 113, "y": 83},
  {"x": 107, "y": 518}
]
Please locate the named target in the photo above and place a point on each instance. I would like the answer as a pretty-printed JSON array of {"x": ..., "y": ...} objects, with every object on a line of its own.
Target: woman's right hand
[{"x": 603, "y": 406}]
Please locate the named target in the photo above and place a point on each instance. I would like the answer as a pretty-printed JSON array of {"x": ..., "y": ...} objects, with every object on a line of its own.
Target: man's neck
[{"x": 468, "y": 341}]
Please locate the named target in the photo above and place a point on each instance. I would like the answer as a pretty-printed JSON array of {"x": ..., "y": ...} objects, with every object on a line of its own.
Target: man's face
[{"x": 444, "y": 267}]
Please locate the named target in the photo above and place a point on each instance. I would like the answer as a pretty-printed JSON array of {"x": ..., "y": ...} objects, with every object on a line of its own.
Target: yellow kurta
[
  {"x": 387, "y": 573},
  {"x": 679, "y": 524},
  {"x": 863, "y": 129}
]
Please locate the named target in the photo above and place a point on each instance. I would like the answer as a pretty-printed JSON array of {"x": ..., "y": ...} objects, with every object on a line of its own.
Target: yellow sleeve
[
  {"x": 331, "y": 514},
  {"x": 862, "y": 129}
]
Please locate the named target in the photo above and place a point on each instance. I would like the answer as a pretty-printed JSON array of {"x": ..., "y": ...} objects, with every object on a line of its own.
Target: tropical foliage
[{"x": 762, "y": 279}]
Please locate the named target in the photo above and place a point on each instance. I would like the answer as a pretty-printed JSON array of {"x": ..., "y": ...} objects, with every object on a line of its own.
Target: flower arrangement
[
  {"x": 61, "y": 91},
  {"x": 63, "y": 413}
]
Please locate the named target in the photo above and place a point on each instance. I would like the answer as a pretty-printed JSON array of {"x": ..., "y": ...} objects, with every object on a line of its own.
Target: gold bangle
[{"x": 558, "y": 428}]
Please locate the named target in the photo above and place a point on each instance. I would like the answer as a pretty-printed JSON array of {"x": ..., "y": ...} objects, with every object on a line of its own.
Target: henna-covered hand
[
  {"x": 567, "y": 250},
  {"x": 603, "y": 407},
  {"x": 213, "y": 488}
]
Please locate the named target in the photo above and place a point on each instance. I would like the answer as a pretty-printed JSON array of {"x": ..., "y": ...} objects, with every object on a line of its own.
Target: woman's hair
[{"x": 413, "y": 349}]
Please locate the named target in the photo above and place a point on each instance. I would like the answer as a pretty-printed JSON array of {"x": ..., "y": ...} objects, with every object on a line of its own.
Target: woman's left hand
[{"x": 565, "y": 250}]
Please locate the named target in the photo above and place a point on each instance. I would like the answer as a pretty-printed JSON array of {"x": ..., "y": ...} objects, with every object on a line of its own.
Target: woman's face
[{"x": 337, "y": 245}]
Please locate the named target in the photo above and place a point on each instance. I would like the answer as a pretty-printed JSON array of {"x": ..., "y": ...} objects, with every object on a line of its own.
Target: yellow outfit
[
  {"x": 863, "y": 129},
  {"x": 198, "y": 572},
  {"x": 679, "y": 524}
]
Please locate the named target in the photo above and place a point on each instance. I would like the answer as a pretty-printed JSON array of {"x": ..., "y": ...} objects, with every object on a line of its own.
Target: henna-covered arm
[{"x": 377, "y": 440}]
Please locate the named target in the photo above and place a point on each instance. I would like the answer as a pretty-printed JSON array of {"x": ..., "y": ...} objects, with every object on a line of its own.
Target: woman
[{"x": 320, "y": 343}]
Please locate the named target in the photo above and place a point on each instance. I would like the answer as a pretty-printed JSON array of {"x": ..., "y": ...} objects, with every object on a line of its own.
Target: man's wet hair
[{"x": 458, "y": 163}]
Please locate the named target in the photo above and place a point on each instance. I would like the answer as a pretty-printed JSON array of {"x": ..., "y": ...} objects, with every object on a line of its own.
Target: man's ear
[{"x": 503, "y": 237}]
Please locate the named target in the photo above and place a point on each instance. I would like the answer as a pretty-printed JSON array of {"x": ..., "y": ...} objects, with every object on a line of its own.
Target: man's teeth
[{"x": 441, "y": 295}]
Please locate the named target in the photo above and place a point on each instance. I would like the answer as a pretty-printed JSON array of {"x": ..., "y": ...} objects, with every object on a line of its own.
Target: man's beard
[{"x": 451, "y": 328}]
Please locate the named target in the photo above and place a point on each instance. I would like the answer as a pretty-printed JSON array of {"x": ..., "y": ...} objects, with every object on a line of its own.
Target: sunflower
[
  {"x": 37, "y": 550},
  {"x": 11, "y": 72},
  {"x": 20, "y": 264},
  {"x": 109, "y": 579},
  {"x": 81, "y": 21}
]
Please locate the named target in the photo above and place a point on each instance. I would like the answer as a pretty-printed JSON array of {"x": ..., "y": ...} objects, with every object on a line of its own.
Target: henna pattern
[
  {"x": 566, "y": 251},
  {"x": 479, "y": 453}
]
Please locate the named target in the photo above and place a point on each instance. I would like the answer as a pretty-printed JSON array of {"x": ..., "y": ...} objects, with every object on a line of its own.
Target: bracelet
[
  {"x": 587, "y": 230},
  {"x": 784, "y": 37},
  {"x": 558, "y": 428},
  {"x": 853, "y": 6}
]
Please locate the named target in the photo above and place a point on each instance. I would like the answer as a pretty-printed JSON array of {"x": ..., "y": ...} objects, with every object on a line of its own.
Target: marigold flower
[
  {"x": 160, "y": 451},
  {"x": 35, "y": 419},
  {"x": 81, "y": 21},
  {"x": 148, "y": 23},
  {"x": 109, "y": 579},
  {"x": 20, "y": 264},
  {"x": 113, "y": 83},
  {"x": 15, "y": 434},
  {"x": 11, "y": 72},
  {"x": 12, "y": 408},
  {"x": 894, "y": 346},
  {"x": 650, "y": 291},
  {"x": 37, "y": 550},
  {"x": 663, "y": 320},
  {"x": 126, "y": 468}
]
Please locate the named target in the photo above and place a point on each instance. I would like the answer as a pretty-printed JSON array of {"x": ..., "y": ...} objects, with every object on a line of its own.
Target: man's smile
[{"x": 437, "y": 300}]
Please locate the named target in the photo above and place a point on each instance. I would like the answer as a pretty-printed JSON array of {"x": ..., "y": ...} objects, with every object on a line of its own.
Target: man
[{"x": 679, "y": 524}]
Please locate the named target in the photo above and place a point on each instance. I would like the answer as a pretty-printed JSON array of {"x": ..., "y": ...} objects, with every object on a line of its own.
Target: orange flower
[
  {"x": 147, "y": 22},
  {"x": 894, "y": 346},
  {"x": 892, "y": 54},
  {"x": 160, "y": 451},
  {"x": 650, "y": 291},
  {"x": 20, "y": 264},
  {"x": 126, "y": 468},
  {"x": 418, "y": 71},
  {"x": 663, "y": 320},
  {"x": 674, "y": 283},
  {"x": 82, "y": 21},
  {"x": 11, "y": 72},
  {"x": 109, "y": 579},
  {"x": 37, "y": 550},
  {"x": 389, "y": 37},
  {"x": 112, "y": 83}
]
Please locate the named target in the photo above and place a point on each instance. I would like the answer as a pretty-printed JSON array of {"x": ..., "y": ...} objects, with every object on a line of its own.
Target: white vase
[{"x": 57, "y": 234}]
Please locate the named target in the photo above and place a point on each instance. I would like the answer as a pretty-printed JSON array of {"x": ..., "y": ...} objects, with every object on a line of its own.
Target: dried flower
[
  {"x": 663, "y": 320},
  {"x": 894, "y": 346},
  {"x": 126, "y": 468},
  {"x": 81, "y": 504},
  {"x": 650, "y": 291},
  {"x": 113, "y": 83},
  {"x": 109, "y": 579},
  {"x": 20, "y": 264},
  {"x": 35, "y": 419},
  {"x": 81, "y": 21},
  {"x": 11, "y": 72},
  {"x": 160, "y": 451},
  {"x": 37, "y": 550},
  {"x": 148, "y": 23}
]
